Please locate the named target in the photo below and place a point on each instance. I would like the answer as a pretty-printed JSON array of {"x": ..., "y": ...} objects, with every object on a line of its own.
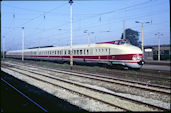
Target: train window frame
[
  {"x": 84, "y": 52},
  {"x": 81, "y": 51},
  {"x": 74, "y": 52},
  {"x": 87, "y": 51},
  {"x": 61, "y": 52}
]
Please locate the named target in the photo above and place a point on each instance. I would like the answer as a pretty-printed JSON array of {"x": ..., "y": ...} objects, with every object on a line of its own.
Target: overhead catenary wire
[
  {"x": 95, "y": 14},
  {"x": 42, "y": 14}
]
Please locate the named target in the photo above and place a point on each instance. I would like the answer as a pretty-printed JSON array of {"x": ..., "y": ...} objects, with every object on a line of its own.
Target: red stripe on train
[{"x": 110, "y": 57}]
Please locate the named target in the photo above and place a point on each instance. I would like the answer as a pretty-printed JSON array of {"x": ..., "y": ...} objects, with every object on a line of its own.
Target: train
[{"x": 117, "y": 52}]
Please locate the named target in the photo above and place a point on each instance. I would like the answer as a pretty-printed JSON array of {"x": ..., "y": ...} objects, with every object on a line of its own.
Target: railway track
[
  {"x": 153, "y": 78},
  {"x": 156, "y": 93},
  {"x": 107, "y": 97},
  {"x": 133, "y": 84}
]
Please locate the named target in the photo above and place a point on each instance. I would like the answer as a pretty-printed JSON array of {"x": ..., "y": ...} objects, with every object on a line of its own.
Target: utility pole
[
  {"x": 86, "y": 31},
  {"x": 142, "y": 35},
  {"x": 124, "y": 30},
  {"x": 142, "y": 44},
  {"x": 158, "y": 34},
  {"x": 23, "y": 45},
  {"x": 3, "y": 47},
  {"x": 159, "y": 48},
  {"x": 71, "y": 56},
  {"x": 88, "y": 39}
]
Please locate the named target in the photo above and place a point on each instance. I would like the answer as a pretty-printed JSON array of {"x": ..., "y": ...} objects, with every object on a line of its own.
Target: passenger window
[
  {"x": 84, "y": 51},
  {"x": 77, "y": 52},
  {"x": 61, "y": 52},
  {"x": 87, "y": 51},
  {"x": 74, "y": 52},
  {"x": 80, "y": 52}
]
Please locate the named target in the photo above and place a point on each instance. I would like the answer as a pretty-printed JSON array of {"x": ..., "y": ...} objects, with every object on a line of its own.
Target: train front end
[
  {"x": 126, "y": 54},
  {"x": 135, "y": 59}
]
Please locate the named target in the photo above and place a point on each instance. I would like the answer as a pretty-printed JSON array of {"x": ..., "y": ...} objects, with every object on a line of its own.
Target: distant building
[{"x": 151, "y": 52}]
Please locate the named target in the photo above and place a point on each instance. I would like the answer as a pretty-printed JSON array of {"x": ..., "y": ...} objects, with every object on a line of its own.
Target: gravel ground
[
  {"x": 113, "y": 87},
  {"x": 83, "y": 102},
  {"x": 156, "y": 67},
  {"x": 126, "y": 104},
  {"x": 81, "y": 99},
  {"x": 141, "y": 75},
  {"x": 116, "y": 88}
]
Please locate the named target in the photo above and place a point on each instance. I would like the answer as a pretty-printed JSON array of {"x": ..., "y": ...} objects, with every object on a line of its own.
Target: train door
[{"x": 108, "y": 56}]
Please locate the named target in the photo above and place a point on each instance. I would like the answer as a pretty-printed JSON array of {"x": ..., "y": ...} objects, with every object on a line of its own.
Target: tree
[{"x": 132, "y": 36}]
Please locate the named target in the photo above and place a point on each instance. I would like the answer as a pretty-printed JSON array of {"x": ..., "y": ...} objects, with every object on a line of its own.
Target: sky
[{"x": 48, "y": 22}]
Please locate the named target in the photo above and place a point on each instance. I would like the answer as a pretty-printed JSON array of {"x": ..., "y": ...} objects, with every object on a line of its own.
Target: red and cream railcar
[{"x": 114, "y": 52}]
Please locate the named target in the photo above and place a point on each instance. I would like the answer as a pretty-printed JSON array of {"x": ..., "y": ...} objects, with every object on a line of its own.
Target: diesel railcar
[{"x": 113, "y": 52}]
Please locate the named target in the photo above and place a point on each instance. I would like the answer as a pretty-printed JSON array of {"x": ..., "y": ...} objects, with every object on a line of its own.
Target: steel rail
[
  {"x": 112, "y": 82},
  {"x": 113, "y": 78},
  {"x": 74, "y": 74},
  {"x": 128, "y": 99},
  {"x": 68, "y": 89}
]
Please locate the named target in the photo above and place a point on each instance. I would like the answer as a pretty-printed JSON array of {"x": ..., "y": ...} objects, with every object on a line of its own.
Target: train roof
[
  {"x": 112, "y": 42},
  {"x": 102, "y": 44},
  {"x": 40, "y": 47}
]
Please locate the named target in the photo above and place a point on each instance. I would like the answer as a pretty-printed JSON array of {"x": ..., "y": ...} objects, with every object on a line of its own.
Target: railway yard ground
[{"x": 54, "y": 87}]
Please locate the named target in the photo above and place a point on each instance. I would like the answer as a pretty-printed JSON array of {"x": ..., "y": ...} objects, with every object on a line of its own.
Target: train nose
[{"x": 141, "y": 62}]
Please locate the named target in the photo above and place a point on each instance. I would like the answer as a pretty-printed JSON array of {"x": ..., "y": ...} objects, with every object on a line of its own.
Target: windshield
[{"x": 124, "y": 42}]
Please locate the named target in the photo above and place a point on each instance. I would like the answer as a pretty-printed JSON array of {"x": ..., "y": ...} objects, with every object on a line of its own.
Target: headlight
[{"x": 136, "y": 57}]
